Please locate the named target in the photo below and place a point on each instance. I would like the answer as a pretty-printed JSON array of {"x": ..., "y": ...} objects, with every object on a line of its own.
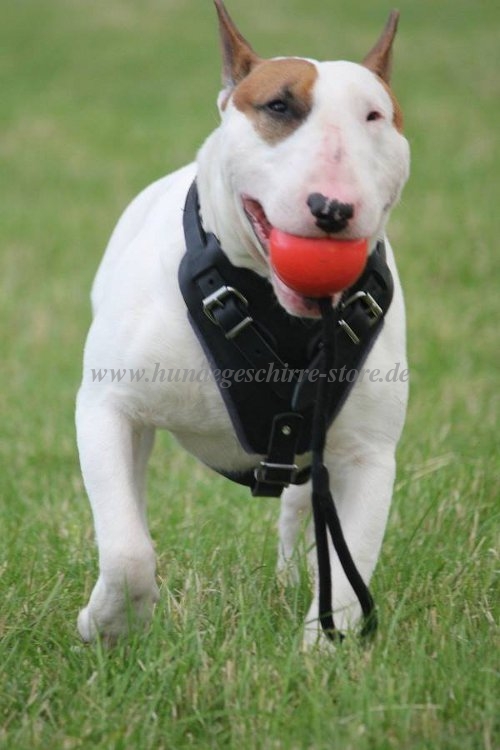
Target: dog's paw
[
  {"x": 315, "y": 641},
  {"x": 86, "y": 625},
  {"x": 346, "y": 620},
  {"x": 112, "y": 613}
]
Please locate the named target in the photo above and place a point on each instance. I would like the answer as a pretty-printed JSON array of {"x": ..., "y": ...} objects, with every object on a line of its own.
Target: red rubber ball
[{"x": 317, "y": 267}]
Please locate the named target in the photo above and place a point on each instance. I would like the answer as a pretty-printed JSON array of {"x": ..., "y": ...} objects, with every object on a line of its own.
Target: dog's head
[{"x": 312, "y": 148}]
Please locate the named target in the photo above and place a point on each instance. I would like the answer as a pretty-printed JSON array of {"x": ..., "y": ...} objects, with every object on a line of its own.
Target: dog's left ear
[
  {"x": 237, "y": 55},
  {"x": 379, "y": 59}
]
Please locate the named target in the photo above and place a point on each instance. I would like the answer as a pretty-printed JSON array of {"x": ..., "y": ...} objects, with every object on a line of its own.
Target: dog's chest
[
  {"x": 195, "y": 414},
  {"x": 178, "y": 392}
]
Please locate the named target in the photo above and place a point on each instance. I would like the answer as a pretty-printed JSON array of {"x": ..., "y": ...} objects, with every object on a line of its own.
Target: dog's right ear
[{"x": 237, "y": 55}]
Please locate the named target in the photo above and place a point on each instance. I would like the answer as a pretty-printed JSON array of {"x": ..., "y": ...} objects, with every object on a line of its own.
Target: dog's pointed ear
[
  {"x": 379, "y": 59},
  {"x": 238, "y": 57}
]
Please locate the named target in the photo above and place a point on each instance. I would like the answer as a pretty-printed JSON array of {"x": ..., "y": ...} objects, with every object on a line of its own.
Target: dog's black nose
[{"x": 331, "y": 215}]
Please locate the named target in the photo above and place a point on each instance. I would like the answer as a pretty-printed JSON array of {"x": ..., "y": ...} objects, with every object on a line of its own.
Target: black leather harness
[{"x": 271, "y": 358}]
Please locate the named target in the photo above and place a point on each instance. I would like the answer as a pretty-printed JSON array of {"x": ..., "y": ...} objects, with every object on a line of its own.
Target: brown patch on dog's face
[{"x": 277, "y": 96}]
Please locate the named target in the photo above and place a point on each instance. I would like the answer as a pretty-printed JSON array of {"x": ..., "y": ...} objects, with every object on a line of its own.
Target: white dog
[{"x": 291, "y": 128}]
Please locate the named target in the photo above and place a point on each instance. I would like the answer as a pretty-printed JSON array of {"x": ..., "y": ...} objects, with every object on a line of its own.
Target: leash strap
[{"x": 325, "y": 514}]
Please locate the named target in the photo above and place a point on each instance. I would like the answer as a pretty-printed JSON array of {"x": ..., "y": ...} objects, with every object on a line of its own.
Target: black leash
[{"x": 324, "y": 511}]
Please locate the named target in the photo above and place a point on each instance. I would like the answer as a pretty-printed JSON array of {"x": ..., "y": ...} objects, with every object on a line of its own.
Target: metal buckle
[
  {"x": 216, "y": 299},
  {"x": 373, "y": 309},
  {"x": 276, "y": 473},
  {"x": 347, "y": 328}
]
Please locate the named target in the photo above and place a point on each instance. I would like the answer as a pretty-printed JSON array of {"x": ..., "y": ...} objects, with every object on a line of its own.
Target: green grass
[{"x": 98, "y": 99}]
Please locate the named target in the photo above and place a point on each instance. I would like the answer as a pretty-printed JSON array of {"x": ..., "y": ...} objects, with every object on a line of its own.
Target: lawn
[{"x": 97, "y": 100}]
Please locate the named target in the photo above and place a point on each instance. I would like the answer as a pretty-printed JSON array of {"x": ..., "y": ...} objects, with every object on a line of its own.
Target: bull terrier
[{"x": 290, "y": 128}]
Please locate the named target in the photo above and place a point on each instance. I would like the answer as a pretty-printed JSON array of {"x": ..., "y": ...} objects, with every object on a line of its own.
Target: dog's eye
[
  {"x": 373, "y": 115},
  {"x": 277, "y": 107}
]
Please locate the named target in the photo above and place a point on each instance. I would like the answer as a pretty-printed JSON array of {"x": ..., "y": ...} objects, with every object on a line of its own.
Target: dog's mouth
[
  {"x": 293, "y": 302},
  {"x": 260, "y": 223}
]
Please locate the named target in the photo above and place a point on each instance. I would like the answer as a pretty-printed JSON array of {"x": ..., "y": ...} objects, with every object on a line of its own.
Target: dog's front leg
[
  {"x": 362, "y": 484},
  {"x": 362, "y": 487},
  {"x": 113, "y": 458},
  {"x": 294, "y": 514}
]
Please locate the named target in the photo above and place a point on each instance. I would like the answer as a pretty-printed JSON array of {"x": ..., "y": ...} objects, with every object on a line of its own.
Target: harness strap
[
  {"x": 279, "y": 469},
  {"x": 227, "y": 308}
]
